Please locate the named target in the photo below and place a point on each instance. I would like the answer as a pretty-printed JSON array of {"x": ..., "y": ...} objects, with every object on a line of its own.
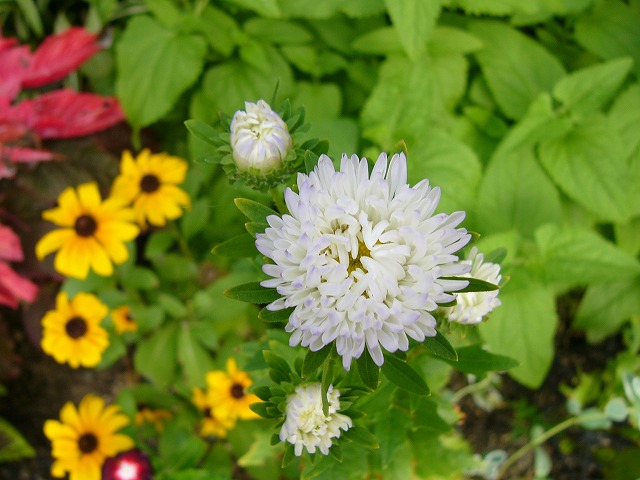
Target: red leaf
[
  {"x": 10, "y": 248},
  {"x": 59, "y": 55},
  {"x": 14, "y": 64},
  {"x": 67, "y": 114},
  {"x": 14, "y": 288}
]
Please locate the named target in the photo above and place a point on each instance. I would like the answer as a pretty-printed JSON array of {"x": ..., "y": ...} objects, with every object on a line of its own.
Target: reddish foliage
[{"x": 13, "y": 287}]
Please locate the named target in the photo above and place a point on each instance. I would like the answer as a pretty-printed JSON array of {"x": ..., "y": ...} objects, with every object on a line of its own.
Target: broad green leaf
[
  {"x": 179, "y": 448},
  {"x": 440, "y": 346},
  {"x": 260, "y": 451},
  {"x": 275, "y": 316},
  {"x": 362, "y": 8},
  {"x": 195, "y": 360},
  {"x": 515, "y": 193},
  {"x": 449, "y": 74},
  {"x": 403, "y": 375},
  {"x": 381, "y": 41},
  {"x": 449, "y": 163},
  {"x": 155, "y": 66},
  {"x": 13, "y": 445},
  {"x": 399, "y": 105},
  {"x": 252, "y": 292},
  {"x": 474, "y": 359},
  {"x": 362, "y": 437},
  {"x": 576, "y": 256},
  {"x": 264, "y": 8},
  {"x": 195, "y": 218},
  {"x": 589, "y": 166},
  {"x": 391, "y": 430},
  {"x": 175, "y": 268},
  {"x": 624, "y": 116},
  {"x": 277, "y": 31},
  {"x": 487, "y": 7},
  {"x": 611, "y": 30},
  {"x": 165, "y": 11},
  {"x": 172, "y": 305},
  {"x": 155, "y": 356},
  {"x": 321, "y": 100},
  {"x": 243, "y": 245},
  {"x": 446, "y": 40},
  {"x": 255, "y": 211},
  {"x": 528, "y": 309},
  {"x": 148, "y": 318},
  {"x": 368, "y": 371},
  {"x": 343, "y": 132},
  {"x": 587, "y": 90},
  {"x": 414, "y": 21},
  {"x": 313, "y": 360},
  {"x": 220, "y": 30},
  {"x": 140, "y": 278},
  {"x": 310, "y": 8},
  {"x": 158, "y": 243},
  {"x": 605, "y": 307},
  {"x": 516, "y": 67},
  {"x": 627, "y": 236},
  {"x": 426, "y": 418},
  {"x": 437, "y": 457}
]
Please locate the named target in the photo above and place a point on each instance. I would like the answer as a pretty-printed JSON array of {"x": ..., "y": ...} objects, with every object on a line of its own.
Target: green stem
[
  {"x": 539, "y": 440},
  {"x": 471, "y": 388},
  {"x": 278, "y": 200}
]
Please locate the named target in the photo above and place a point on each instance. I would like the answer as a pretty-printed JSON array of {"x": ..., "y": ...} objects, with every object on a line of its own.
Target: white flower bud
[{"x": 259, "y": 138}]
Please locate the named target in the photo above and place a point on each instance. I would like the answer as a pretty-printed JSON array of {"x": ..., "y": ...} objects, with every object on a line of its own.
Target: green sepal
[
  {"x": 369, "y": 372},
  {"x": 252, "y": 292},
  {"x": 254, "y": 211},
  {"x": 275, "y": 316},
  {"x": 404, "y": 376},
  {"x": 262, "y": 409},
  {"x": 241, "y": 246},
  {"x": 440, "y": 346},
  {"x": 263, "y": 392},
  {"x": 313, "y": 360},
  {"x": 256, "y": 227},
  {"x": 276, "y": 362},
  {"x": 475, "y": 285}
]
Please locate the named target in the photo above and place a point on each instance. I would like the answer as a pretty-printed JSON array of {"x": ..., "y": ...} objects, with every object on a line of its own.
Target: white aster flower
[
  {"x": 361, "y": 257},
  {"x": 471, "y": 307},
  {"x": 306, "y": 426},
  {"x": 260, "y": 139}
]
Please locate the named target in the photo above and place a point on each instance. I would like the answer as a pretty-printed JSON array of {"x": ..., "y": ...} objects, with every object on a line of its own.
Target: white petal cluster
[
  {"x": 306, "y": 426},
  {"x": 471, "y": 307},
  {"x": 361, "y": 257},
  {"x": 259, "y": 138}
]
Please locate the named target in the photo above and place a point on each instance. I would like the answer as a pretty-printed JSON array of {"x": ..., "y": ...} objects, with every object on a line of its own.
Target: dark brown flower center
[
  {"x": 208, "y": 413},
  {"x": 85, "y": 225},
  {"x": 149, "y": 183},
  {"x": 237, "y": 391},
  {"x": 87, "y": 443},
  {"x": 76, "y": 327}
]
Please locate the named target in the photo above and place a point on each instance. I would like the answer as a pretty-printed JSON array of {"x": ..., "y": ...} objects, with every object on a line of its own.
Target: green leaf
[
  {"x": 404, "y": 376},
  {"x": 474, "y": 359},
  {"x": 13, "y": 445},
  {"x": 255, "y": 211},
  {"x": 140, "y": 278},
  {"x": 605, "y": 307},
  {"x": 326, "y": 382},
  {"x": 195, "y": 360},
  {"x": 219, "y": 29},
  {"x": 275, "y": 316},
  {"x": 155, "y": 66},
  {"x": 369, "y": 372},
  {"x": 475, "y": 284},
  {"x": 381, "y": 41},
  {"x": 172, "y": 305},
  {"x": 516, "y": 194},
  {"x": 313, "y": 360},
  {"x": 587, "y": 90},
  {"x": 165, "y": 11},
  {"x": 155, "y": 356},
  {"x": 264, "y": 8},
  {"x": 529, "y": 308},
  {"x": 196, "y": 218},
  {"x": 252, "y": 292},
  {"x": 276, "y": 362},
  {"x": 425, "y": 417},
  {"x": 446, "y": 40},
  {"x": 590, "y": 159},
  {"x": 576, "y": 256},
  {"x": 414, "y": 21},
  {"x": 158, "y": 243},
  {"x": 611, "y": 30},
  {"x": 277, "y": 31},
  {"x": 175, "y": 268},
  {"x": 624, "y": 116},
  {"x": 517, "y": 68},
  {"x": 362, "y": 437},
  {"x": 148, "y": 318},
  {"x": 179, "y": 448},
  {"x": 440, "y": 346},
  {"x": 391, "y": 431},
  {"x": 242, "y": 246},
  {"x": 446, "y": 161},
  {"x": 29, "y": 10}
]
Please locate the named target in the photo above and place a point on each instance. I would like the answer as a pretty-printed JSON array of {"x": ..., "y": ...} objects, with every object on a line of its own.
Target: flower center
[
  {"x": 237, "y": 391},
  {"x": 356, "y": 263},
  {"x": 87, "y": 443},
  {"x": 208, "y": 413},
  {"x": 85, "y": 225},
  {"x": 149, "y": 183},
  {"x": 76, "y": 327}
]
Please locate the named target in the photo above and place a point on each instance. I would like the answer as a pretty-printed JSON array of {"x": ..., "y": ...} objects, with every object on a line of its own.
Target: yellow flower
[
  {"x": 93, "y": 232},
  {"x": 85, "y": 437},
  {"x": 72, "y": 333},
  {"x": 150, "y": 182},
  {"x": 153, "y": 416},
  {"x": 228, "y": 389},
  {"x": 122, "y": 320},
  {"x": 217, "y": 421}
]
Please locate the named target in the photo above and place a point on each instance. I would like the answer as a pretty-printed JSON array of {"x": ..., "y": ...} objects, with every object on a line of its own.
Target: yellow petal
[
  {"x": 73, "y": 259},
  {"x": 53, "y": 241}
]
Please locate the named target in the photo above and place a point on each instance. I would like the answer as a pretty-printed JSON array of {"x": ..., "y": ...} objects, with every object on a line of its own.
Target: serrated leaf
[
  {"x": 516, "y": 67},
  {"x": 313, "y": 360},
  {"x": 155, "y": 66},
  {"x": 369, "y": 372},
  {"x": 254, "y": 211},
  {"x": 440, "y": 346},
  {"x": 526, "y": 301},
  {"x": 474, "y": 359},
  {"x": 244, "y": 245},
  {"x": 576, "y": 256},
  {"x": 275, "y": 316},
  {"x": 404, "y": 376},
  {"x": 252, "y": 292},
  {"x": 586, "y": 90},
  {"x": 414, "y": 21}
]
